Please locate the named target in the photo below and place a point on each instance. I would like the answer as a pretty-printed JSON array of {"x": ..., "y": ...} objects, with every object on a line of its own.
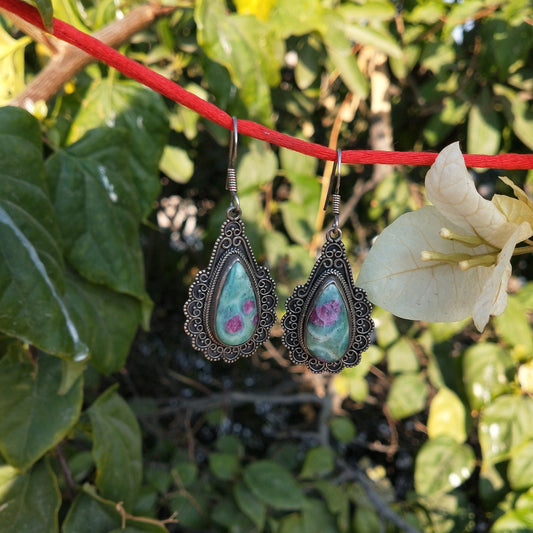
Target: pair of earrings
[{"x": 232, "y": 303}]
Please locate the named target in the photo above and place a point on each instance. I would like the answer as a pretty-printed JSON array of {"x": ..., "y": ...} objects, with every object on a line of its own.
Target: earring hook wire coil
[{"x": 231, "y": 180}]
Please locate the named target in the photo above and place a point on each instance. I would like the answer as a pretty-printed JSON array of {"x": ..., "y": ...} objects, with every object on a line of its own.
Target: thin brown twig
[{"x": 70, "y": 483}]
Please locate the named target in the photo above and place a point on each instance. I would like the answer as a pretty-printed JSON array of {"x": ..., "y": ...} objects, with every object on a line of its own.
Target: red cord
[{"x": 171, "y": 90}]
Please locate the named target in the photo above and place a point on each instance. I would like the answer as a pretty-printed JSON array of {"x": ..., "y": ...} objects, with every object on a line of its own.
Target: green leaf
[
  {"x": 377, "y": 38},
  {"x": 31, "y": 273},
  {"x": 319, "y": 462},
  {"x": 484, "y": 126},
  {"x": 34, "y": 416},
  {"x": 316, "y": 517},
  {"x": 296, "y": 164},
  {"x": 369, "y": 10},
  {"x": 520, "y": 470},
  {"x": 341, "y": 54},
  {"x": 487, "y": 369},
  {"x": 292, "y": 523},
  {"x": 224, "y": 466},
  {"x": 517, "y": 112},
  {"x": 186, "y": 472},
  {"x": 176, "y": 164},
  {"x": 30, "y": 501},
  {"x": 367, "y": 520},
  {"x": 12, "y": 65},
  {"x": 338, "y": 502},
  {"x": 442, "y": 464},
  {"x": 250, "y": 505},
  {"x": 98, "y": 210},
  {"x": 505, "y": 425},
  {"x": 310, "y": 57},
  {"x": 230, "y": 444},
  {"x": 91, "y": 513},
  {"x": 227, "y": 514},
  {"x": 401, "y": 357},
  {"x": 296, "y": 18},
  {"x": 231, "y": 40},
  {"x": 492, "y": 486},
  {"x": 299, "y": 213},
  {"x": 140, "y": 111},
  {"x": 514, "y": 328},
  {"x": 407, "y": 395},
  {"x": 343, "y": 429},
  {"x": 46, "y": 10},
  {"x": 192, "y": 507},
  {"x": 107, "y": 321},
  {"x": 514, "y": 521},
  {"x": 117, "y": 448},
  {"x": 257, "y": 167},
  {"x": 274, "y": 485},
  {"x": 447, "y": 416}
]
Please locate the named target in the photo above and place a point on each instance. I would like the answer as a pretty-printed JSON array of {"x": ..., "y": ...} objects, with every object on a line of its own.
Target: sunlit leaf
[
  {"x": 447, "y": 416},
  {"x": 505, "y": 425},
  {"x": 407, "y": 395},
  {"x": 175, "y": 163},
  {"x": 442, "y": 464},
  {"x": 520, "y": 470},
  {"x": 487, "y": 373}
]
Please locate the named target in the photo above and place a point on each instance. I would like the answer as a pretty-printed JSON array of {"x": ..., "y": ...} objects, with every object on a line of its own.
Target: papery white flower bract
[{"x": 449, "y": 260}]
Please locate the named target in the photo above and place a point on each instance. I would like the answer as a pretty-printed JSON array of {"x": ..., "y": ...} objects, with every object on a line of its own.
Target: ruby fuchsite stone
[
  {"x": 327, "y": 331},
  {"x": 236, "y": 311}
]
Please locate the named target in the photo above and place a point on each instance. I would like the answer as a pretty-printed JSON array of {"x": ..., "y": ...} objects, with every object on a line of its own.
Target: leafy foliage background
[{"x": 110, "y": 200}]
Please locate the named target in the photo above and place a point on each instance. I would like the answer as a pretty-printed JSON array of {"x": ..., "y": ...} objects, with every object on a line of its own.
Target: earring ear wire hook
[
  {"x": 231, "y": 180},
  {"x": 334, "y": 196},
  {"x": 334, "y": 182}
]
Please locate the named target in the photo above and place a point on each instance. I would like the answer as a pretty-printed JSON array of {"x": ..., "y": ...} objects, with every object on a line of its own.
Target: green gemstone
[
  {"x": 327, "y": 331},
  {"x": 236, "y": 310}
]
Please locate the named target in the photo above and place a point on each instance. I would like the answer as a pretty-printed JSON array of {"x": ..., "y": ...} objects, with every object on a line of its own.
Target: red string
[{"x": 171, "y": 90}]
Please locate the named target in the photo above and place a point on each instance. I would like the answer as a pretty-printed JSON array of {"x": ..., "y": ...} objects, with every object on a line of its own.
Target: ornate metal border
[
  {"x": 231, "y": 245},
  {"x": 332, "y": 265}
]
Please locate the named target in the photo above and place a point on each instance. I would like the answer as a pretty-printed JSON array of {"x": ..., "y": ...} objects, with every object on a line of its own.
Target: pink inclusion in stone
[
  {"x": 234, "y": 324},
  {"x": 326, "y": 314},
  {"x": 248, "y": 306}
]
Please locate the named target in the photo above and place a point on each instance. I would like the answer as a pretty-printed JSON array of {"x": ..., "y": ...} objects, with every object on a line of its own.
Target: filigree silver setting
[
  {"x": 331, "y": 266},
  {"x": 200, "y": 308}
]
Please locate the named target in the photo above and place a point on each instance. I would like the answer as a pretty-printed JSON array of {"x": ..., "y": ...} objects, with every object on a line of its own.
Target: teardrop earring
[
  {"x": 327, "y": 324},
  {"x": 232, "y": 303}
]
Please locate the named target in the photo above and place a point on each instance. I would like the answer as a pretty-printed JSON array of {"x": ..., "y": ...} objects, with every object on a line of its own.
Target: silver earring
[
  {"x": 232, "y": 303},
  {"x": 327, "y": 325}
]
